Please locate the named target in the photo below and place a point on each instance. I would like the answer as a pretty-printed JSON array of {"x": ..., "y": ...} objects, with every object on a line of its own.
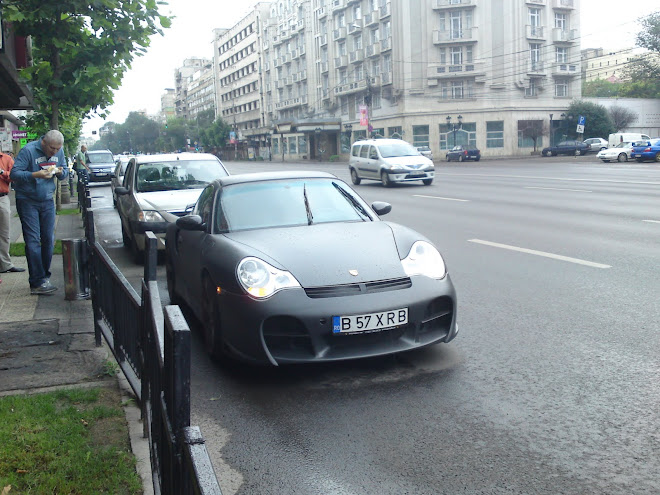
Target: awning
[
  {"x": 282, "y": 128},
  {"x": 322, "y": 127}
]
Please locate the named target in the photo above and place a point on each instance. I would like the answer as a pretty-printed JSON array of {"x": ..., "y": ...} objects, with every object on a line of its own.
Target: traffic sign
[{"x": 580, "y": 125}]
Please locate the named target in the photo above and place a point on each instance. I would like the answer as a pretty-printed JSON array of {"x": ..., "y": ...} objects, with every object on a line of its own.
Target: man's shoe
[
  {"x": 44, "y": 289},
  {"x": 13, "y": 269}
]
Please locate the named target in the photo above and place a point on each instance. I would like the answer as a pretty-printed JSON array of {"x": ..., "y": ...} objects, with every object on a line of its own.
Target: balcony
[
  {"x": 279, "y": 84},
  {"x": 265, "y": 45},
  {"x": 373, "y": 50},
  {"x": 370, "y": 19},
  {"x": 338, "y": 34},
  {"x": 565, "y": 70},
  {"x": 564, "y": 4},
  {"x": 349, "y": 88},
  {"x": 291, "y": 102},
  {"x": 302, "y": 74},
  {"x": 385, "y": 11},
  {"x": 535, "y": 67},
  {"x": 385, "y": 44},
  {"x": 534, "y": 32},
  {"x": 294, "y": 77},
  {"x": 536, "y": 2},
  {"x": 294, "y": 54},
  {"x": 355, "y": 26},
  {"x": 356, "y": 57},
  {"x": 451, "y": 4},
  {"x": 324, "y": 67},
  {"x": 385, "y": 78},
  {"x": 337, "y": 4},
  {"x": 341, "y": 61},
  {"x": 323, "y": 40},
  {"x": 321, "y": 13},
  {"x": 454, "y": 36},
  {"x": 449, "y": 71},
  {"x": 564, "y": 35}
]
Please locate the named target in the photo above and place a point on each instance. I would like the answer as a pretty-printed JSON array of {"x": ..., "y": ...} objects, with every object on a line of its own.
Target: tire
[
  {"x": 553, "y": 153},
  {"x": 385, "y": 179},
  {"x": 582, "y": 153},
  {"x": 427, "y": 182},
  {"x": 606, "y": 161},
  {"x": 125, "y": 238},
  {"x": 477, "y": 159},
  {"x": 657, "y": 157},
  {"x": 355, "y": 178},
  {"x": 546, "y": 153},
  {"x": 622, "y": 157},
  {"x": 639, "y": 160},
  {"x": 448, "y": 159},
  {"x": 211, "y": 320}
]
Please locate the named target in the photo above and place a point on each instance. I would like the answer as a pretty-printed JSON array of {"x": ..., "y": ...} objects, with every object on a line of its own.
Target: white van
[
  {"x": 389, "y": 161},
  {"x": 625, "y": 137}
]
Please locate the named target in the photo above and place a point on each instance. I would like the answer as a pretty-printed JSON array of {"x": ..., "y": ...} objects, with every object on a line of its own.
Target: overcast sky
[{"x": 604, "y": 23}]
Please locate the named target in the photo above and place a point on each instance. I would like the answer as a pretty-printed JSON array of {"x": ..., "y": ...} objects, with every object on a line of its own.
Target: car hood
[
  {"x": 324, "y": 253},
  {"x": 176, "y": 200}
]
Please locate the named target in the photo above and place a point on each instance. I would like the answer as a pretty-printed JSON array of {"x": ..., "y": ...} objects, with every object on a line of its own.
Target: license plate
[{"x": 371, "y": 322}]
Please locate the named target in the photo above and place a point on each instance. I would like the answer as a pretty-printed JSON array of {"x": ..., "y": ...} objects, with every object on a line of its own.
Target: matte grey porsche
[{"x": 295, "y": 267}]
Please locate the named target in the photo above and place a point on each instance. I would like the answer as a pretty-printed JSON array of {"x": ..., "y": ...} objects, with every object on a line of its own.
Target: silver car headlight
[
  {"x": 262, "y": 280},
  {"x": 424, "y": 259},
  {"x": 150, "y": 216}
]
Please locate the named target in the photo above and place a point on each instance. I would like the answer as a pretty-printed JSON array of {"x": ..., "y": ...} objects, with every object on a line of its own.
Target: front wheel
[
  {"x": 355, "y": 178},
  {"x": 639, "y": 160},
  {"x": 427, "y": 182},
  {"x": 622, "y": 157},
  {"x": 385, "y": 179},
  {"x": 546, "y": 152},
  {"x": 448, "y": 159}
]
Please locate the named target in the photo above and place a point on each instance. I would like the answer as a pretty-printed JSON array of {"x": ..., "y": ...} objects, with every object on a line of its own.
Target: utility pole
[{"x": 367, "y": 101}]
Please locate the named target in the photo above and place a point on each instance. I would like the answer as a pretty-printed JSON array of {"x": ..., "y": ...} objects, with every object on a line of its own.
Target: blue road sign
[{"x": 582, "y": 120}]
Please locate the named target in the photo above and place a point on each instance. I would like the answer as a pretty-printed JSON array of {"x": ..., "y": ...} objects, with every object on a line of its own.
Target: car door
[
  {"x": 374, "y": 161},
  {"x": 123, "y": 200}
]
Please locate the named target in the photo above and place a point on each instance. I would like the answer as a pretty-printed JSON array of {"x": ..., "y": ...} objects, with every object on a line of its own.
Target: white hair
[{"x": 54, "y": 137}]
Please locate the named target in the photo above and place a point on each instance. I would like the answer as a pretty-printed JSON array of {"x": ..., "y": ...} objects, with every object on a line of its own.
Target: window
[
  {"x": 342, "y": 76},
  {"x": 535, "y": 56},
  {"x": 292, "y": 145},
  {"x": 374, "y": 36},
  {"x": 357, "y": 12},
  {"x": 455, "y": 24},
  {"x": 358, "y": 74},
  {"x": 528, "y": 131},
  {"x": 456, "y": 55},
  {"x": 420, "y": 135},
  {"x": 534, "y": 18},
  {"x": 562, "y": 55},
  {"x": 561, "y": 21},
  {"x": 395, "y": 132},
  {"x": 302, "y": 144},
  {"x": 466, "y": 136},
  {"x": 561, "y": 87},
  {"x": 457, "y": 90},
  {"x": 357, "y": 42},
  {"x": 341, "y": 48},
  {"x": 340, "y": 20},
  {"x": 495, "y": 134}
]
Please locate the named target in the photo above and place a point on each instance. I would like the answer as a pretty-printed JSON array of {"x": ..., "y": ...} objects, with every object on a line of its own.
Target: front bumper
[
  {"x": 292, "y": 327},
  {"x": 158, "y": 228},
  {"x": 409, "y": 175}
]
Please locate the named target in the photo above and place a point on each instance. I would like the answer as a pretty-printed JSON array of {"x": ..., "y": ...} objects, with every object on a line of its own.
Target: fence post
[
  {"x": 199, "y": 462},
  {"x": 150, "y": 256}
]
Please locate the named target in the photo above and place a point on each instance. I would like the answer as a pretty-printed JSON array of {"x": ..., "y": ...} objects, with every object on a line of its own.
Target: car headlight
[
  {"x": 262, "y": 280},
  {"x": 424, "y": 259},
  {"x": 150, "y": 216}
]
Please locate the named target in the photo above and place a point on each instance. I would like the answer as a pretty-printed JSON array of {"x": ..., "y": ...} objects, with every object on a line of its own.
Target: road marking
[
  {"x": 541, "y": 253},
  {"x": 557, "y": 189},
  {"x": 651, "y": 221},
  {"x": 440, "y": 197},
  {"x": 568, "y": 179}
]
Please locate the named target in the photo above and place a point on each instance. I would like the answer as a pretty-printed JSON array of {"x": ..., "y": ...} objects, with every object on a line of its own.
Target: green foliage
[
  {"x": 644, "y": 70},
  {"x": 598, "y": 120},
  {"x": 601, "y": 88},
  {"x": 334, "y": 158},
  {"x": 81, "y": 49}
]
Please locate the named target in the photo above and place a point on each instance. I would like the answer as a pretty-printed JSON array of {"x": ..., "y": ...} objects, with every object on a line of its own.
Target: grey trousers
[{"x": 5, "y": 260}]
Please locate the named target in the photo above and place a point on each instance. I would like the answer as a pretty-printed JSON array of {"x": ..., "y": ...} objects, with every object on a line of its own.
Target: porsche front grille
[{"x": 360, "y": 288}]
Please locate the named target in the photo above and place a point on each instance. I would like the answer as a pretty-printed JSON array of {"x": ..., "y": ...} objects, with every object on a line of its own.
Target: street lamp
[
  {"x": 454, "y": 127},
  {"x": 317, "y": 133},
  {"x": 551, "y": 130}
]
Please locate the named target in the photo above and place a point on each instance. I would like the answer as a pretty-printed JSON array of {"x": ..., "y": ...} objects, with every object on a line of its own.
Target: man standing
[
  {"x": 82, "y": 169},
  {"x": 6, "y": 164},
  {"x": 33, "y": 180}
]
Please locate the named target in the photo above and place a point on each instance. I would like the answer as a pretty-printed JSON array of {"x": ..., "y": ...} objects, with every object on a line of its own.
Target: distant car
[
  {"x": 596, "y": 144},
  {"x": 101, "y": 165},
  {"x": 649, "y": 150},
  {"x": 425, "y": 151},
  {"x": 157, "y": 189},
  {"x": 295, "y": 267},
  {"x": 118, "y": 175},
  {"x": 620, "y": 153},
  {"x": 570, "y": 147},
  {"x": 460, "y": 153}
]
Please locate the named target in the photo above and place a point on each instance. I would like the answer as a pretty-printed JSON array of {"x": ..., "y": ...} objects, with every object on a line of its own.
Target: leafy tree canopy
[
  {"x": 81, "y": 49},
  {"x": 598, "y": 120},
  {"x": 646, "y": 69}
]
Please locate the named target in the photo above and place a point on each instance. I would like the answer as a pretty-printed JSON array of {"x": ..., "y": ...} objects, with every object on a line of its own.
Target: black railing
[{"x": 152, "y": 347}]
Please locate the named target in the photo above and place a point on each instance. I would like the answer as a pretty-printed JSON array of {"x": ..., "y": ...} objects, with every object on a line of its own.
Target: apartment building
[
  {"x": 182, "y": 78},
  {"x": 201, "y": 91},
  {"x": 434, "y": 72}
]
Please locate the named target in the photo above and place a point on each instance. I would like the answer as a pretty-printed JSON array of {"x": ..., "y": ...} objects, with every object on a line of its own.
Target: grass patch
[
  {"x": 70, "y": 441},
  {"x": 18, "y": 248},
  {"x": 68, "y": 211}
]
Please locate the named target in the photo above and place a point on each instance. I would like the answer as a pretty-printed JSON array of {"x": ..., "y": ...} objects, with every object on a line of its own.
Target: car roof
[
  {"x": 100, "y": 151},
  {"x": 173, "y": 157},
  {"x": 278, "y": 175},
  {"x": 380, "y": 141}
]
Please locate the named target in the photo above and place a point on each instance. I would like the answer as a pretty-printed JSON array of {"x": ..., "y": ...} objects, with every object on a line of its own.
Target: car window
[
  {"x": 397, "y": 149},
  {"x": 364, "y": 151},
  {"x": 355, "y": 151},
  {"x": 128, "y": 178},
  {"x": 289, "y": 203},
  {"x": 205, "y": 204},
  {"x": 179, "y": 174},
  {"x": 96, "y": 158},
  {"x": 373, "y": 153}
]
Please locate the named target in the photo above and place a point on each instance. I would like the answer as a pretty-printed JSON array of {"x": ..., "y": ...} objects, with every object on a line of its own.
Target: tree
[
  {"x": 81, "y": 49},
  {"x": 622, "y": 117},
  {"x": 597, "y": 120},
  {"x": 533, "y": 129},
  {"x": 601, "y": 88},
  {"x": 646, "y": 68}
]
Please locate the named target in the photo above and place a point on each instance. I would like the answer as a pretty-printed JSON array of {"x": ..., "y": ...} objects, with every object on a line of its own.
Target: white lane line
[
  {"x": 557, "y": 189},
  {"x": 568, "y": 179},
  {"x": 439, "y": 197},
  {"x": 651, "y": 221},
  {"x": 540, "y": 253}
]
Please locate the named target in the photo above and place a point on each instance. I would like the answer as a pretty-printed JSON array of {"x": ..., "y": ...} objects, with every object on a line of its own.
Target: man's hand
[{"x": 44, "y": 173}]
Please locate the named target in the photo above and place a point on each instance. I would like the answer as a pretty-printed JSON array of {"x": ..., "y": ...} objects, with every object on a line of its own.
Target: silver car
[
  {"x": 425, "y": 151},
  {"x": 118, "y": 175},
  {"x": 158, "y": 189}
]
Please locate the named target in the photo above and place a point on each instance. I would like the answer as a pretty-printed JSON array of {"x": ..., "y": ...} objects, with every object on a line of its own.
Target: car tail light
[
  {"x": 647, "y": 150},
  {"x": 465, "y": 152}
]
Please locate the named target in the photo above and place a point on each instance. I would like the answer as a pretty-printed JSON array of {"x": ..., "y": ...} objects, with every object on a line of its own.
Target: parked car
[
  {"x": 570, "y": 147},
  {"x": 295, "y": 267},
  {"x": 390, "y": 161},
  {"x": 460, "y": 154},
  {"x": 596, "y": 144},
  {"x": 649, "y": 150},
  {"x": 117, "y": 179},
  {"x": 620, "y": 152},
  {"x": 425, "y": 151},
  {"x": 157, "y": 189},
  {"x": 101, "y": 164}
]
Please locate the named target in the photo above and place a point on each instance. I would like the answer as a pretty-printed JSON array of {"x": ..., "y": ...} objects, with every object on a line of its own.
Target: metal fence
[{"x": 152, "y": 347}]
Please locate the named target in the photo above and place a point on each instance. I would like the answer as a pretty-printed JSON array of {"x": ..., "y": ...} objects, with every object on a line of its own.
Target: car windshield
[
  {"x": 179, "y": 174},
  {"x": 397, "y": 149},
  {"x": 287, "y": 203},
  {"x": 97, "y": 158},
  {"x": 622, "y": 145}
]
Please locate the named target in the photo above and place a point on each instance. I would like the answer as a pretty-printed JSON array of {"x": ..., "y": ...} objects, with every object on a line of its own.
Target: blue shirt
[{"x": 30, "y": 159}]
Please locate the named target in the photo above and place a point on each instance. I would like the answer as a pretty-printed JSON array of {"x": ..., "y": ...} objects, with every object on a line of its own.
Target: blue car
[{"x": 649, "y": 150}]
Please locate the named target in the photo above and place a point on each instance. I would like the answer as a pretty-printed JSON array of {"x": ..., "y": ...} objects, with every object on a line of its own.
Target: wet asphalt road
[{"x": 550, "y": 387}]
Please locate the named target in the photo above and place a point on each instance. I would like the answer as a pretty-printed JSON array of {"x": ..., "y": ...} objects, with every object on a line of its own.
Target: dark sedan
[
  {"x": 570, "y": 147},
  {"x": 294, "y": 267},
  {"x": 460, "y": 153}
]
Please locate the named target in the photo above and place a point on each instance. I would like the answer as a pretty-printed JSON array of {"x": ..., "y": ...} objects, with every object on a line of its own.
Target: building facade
[{"x": 182, "y": 78}]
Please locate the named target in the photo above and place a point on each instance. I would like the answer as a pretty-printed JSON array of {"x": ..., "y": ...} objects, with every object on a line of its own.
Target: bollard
[{"x": 76, "y": 273}]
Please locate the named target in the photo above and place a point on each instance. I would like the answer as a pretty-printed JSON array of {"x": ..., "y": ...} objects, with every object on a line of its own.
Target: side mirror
[
  {"x": 191, "y": 222},
  {"x": 381, "y": 208},
  {"x": 121, "y": 190}
]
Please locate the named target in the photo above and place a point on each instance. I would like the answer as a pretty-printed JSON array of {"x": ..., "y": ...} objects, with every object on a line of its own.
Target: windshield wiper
[
  {"x": 310, "y": 217},
  {"x": 357, "y": 206}
]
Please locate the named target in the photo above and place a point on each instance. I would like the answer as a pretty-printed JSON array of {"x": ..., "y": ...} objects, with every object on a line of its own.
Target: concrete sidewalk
[{"x": 47, "y": 342}]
